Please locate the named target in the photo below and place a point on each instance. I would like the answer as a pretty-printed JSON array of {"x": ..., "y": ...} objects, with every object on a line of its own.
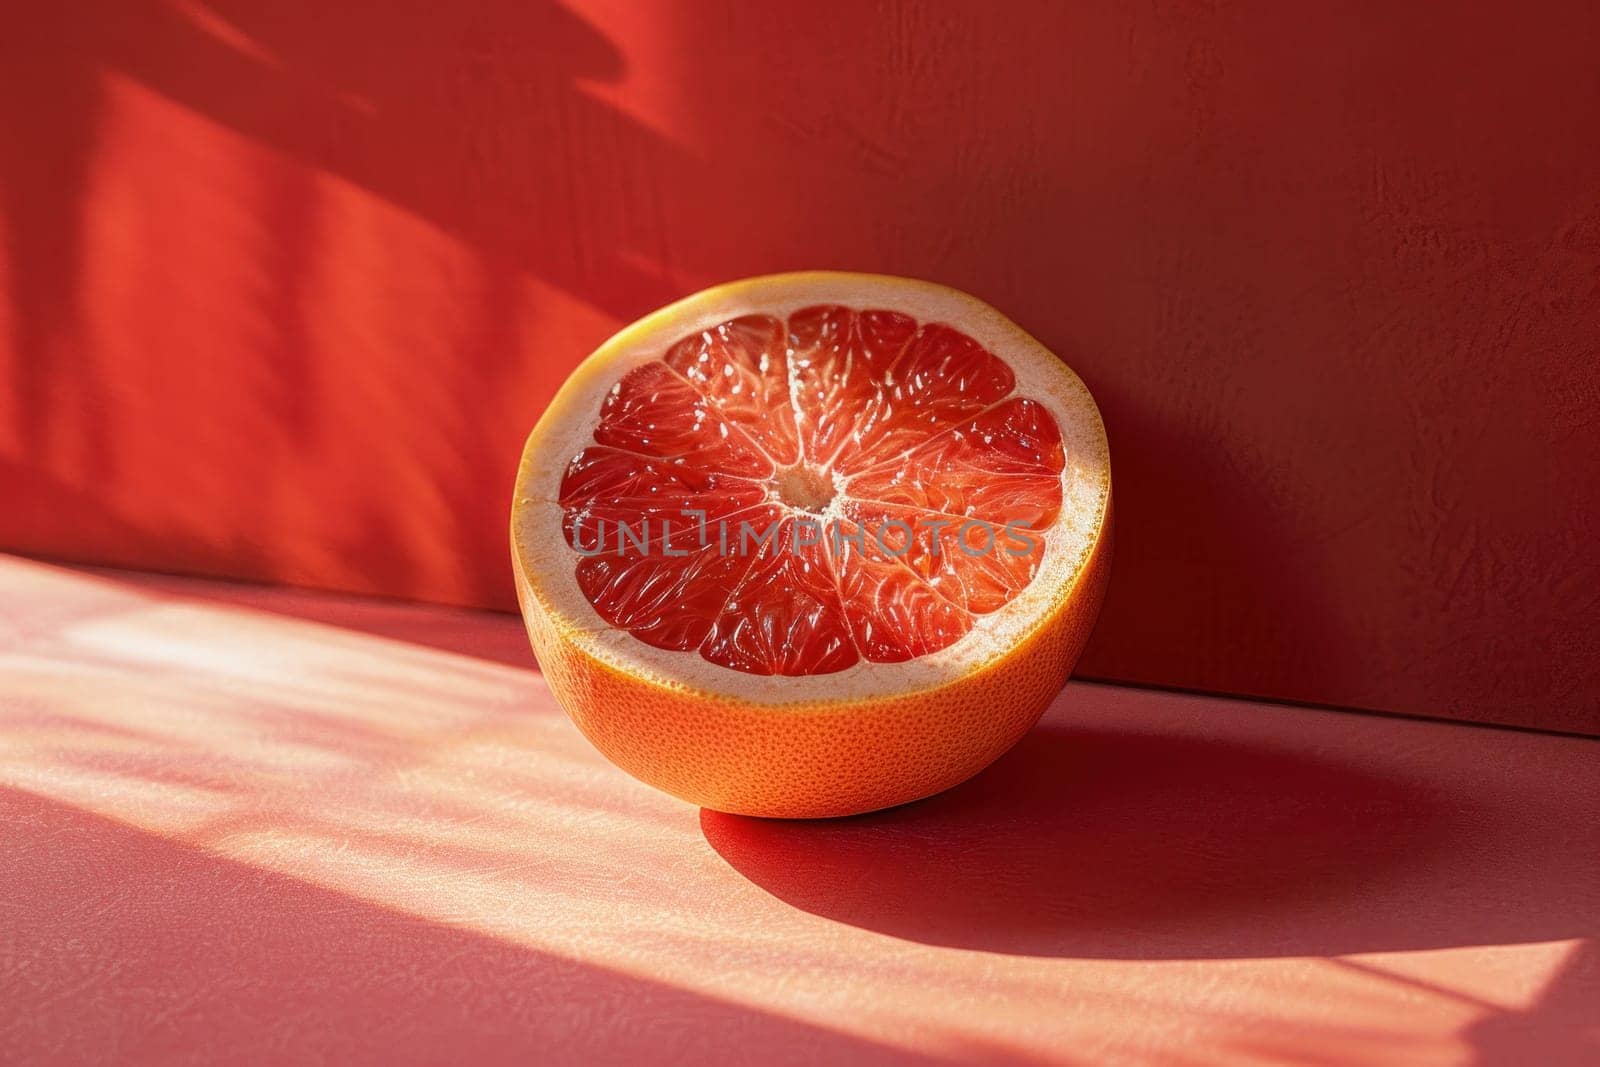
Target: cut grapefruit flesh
[
  {"x": 797, "y": 460},
  {"x": 812, "y": 544}
]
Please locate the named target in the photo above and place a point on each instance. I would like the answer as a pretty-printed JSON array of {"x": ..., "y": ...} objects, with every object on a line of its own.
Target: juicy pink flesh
[{"x": 852, "y": 420}]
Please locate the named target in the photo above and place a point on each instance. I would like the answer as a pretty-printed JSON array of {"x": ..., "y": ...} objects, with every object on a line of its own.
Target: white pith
[{"x": 548, "y": 563}]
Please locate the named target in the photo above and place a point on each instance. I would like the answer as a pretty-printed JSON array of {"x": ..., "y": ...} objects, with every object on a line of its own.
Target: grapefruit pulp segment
[{"x": 811, "y": 415}]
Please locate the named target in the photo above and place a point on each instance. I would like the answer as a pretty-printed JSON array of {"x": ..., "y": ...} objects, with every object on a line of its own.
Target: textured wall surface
[{"x": 282, "y": 287}]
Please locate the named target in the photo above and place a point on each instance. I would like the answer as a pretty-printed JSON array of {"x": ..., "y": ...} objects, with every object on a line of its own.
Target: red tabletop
[{"x": 248, "y": 826}]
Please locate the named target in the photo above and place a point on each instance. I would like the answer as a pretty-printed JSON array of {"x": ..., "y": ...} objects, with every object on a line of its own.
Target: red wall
[{"x": 284, "y": 289}]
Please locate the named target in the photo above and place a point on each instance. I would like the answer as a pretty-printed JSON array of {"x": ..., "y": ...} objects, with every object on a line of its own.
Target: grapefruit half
[{"x": 812, "y": 544}]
